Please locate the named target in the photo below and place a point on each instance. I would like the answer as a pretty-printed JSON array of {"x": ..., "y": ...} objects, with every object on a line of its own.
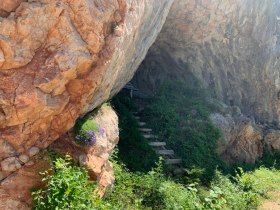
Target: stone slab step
[
  {"x": 141, "y": 124},
  {"x": 165, "y": 152},
  {"x": 145, "y": 129},
  {"x": 157, "y": 144},
  {"x": 137, "y": 118},
  {"x": 173, "y": 161},
  {"x": 150, "y": 136},
  {"x": 178, "y": 171}
]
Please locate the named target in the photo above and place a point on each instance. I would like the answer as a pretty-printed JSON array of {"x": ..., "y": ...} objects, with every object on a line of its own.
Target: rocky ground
[{"x": 273, "y": 203}]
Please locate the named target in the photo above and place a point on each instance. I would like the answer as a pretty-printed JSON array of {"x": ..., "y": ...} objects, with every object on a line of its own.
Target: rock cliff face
[
  {"x": 15, "y": 190},
  {"x": 60, "y": 59},
  {"x": 241, "y": 140},
  {"x": 232, "y": 46},
  {"x": 8, "y": 6},
  {"x": 272, "y": 140},
  {"x": 96, "y": 157}
]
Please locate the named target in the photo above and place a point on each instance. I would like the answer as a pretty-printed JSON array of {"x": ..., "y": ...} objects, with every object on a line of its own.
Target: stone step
[
  {"x": 137, "y": 118},
  {"x": 178, "y": 171},
  {"x": 145, "y": 129},
  {"x": 173, "y": 161},
  {"x": 157, "y": 144},
  {"x": 165, "y": 152},
  {"x": 150, "y": 136},
  {"x": 141, "y": 124}
]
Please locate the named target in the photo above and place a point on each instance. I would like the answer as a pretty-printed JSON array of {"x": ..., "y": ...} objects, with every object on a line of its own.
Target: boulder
[
  {"x": 95, "y": 157},
  {"x": 61, "y": 59},
  {"x": 272, "y": 140},
  {"x": 16, "y": 187},
  {"x": 241, "y": 139}
]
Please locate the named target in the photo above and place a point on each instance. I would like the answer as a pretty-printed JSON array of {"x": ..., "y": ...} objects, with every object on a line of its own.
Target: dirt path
[{"x": 273, "y": 203}]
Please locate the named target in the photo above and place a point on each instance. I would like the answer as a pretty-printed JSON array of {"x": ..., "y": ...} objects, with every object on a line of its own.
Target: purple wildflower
[
  {"x": 91, "y": 138},
  {"x": 102, "y": 132}
]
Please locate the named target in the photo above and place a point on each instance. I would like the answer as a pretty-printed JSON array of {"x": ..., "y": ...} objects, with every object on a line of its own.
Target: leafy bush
[
  {"x": 135, "y": 190},
  {"x": 224, "y": 194},
  {"x": 180, "y": 115},
  {"x": 134, "y": 150},
  {"x": 261, "y": 181},
  {"x": 178, "y": 197},
  {"x": 66, "y": 188}
]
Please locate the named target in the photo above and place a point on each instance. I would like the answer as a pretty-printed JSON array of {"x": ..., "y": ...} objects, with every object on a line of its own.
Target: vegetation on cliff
[
  {"x": 69, "y": 188},
  {"x": 141, "y": 179},
  {"x": 179, "y": 114}
]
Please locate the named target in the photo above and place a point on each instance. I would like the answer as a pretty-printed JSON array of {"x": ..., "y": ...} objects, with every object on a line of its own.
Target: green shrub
[
  {"x": 262, "y": 180},
  {"x": 178, "y": 197},
  {"x": 153, "y": 190},
  {"x": 66, "y": 188},
  {"x": 180, "y": 115},
  {"x": 136, "y": 190},
  {"x": 85, "y": 131},
  {"x": 134, "y": 150},
  {"x": 224, "y": 194}
]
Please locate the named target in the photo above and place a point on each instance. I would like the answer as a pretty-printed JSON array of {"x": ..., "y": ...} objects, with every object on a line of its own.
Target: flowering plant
[
  {"x": 86, "y": 131},
  {"x": 88, "y": 138}
]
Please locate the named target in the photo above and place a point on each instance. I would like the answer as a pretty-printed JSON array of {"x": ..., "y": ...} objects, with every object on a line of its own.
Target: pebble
[
  {"x": 30, "y": 163},
  {"x": 33, "y": 151},
  {"x": 10, "y": 164},
  {"x": 24, "y": 158},
  {"x": 82, "y": 160}
]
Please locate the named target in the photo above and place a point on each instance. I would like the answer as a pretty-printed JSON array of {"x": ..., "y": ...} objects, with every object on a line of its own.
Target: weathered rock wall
[
  {"x": 15, "y": 189},
  {"x": 8, "y": 6},
  {"x": 241, "y": 139},
  {"x": 60, "y": 59},
  {"x": 232, "y": 46}
]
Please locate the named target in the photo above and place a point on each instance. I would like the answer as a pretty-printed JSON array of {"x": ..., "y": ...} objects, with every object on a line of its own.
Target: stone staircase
[{"x": 160, "y": 147}]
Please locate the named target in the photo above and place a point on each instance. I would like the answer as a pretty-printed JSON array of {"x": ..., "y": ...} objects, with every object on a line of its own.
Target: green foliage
[
  {"x": 134, "y": 150},
  {"x": 179, "y": 114},
  {"x": 83, "y": 125},
  {"x": 85, "y": 130},
  {"x": 178, "y": 197},
  {"x": 67, "y": 187},
  {"x": 152, "y": 190},
  {"x": 270, "y": 159},
  {"x": 224, "y": 194},
  {"x": 135, "y": 190},
  {"x": 261, "y": 181}
]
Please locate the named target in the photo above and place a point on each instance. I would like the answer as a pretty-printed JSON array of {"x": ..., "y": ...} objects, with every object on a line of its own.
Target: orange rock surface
[{"x": 60, "y": 59}]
